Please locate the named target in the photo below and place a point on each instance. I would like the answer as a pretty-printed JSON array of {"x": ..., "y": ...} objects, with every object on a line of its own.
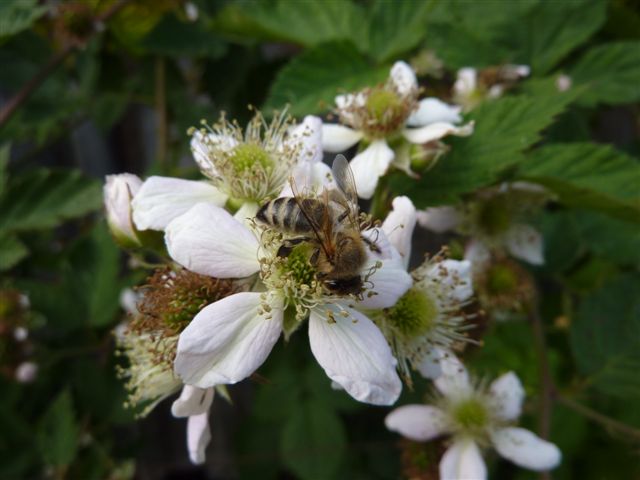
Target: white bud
[
  {"x": 119, "y": 190},
  {"x": 26, "y": 372}
]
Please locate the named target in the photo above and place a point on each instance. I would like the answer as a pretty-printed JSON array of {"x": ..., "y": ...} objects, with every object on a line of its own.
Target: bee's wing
[{"x": 346, "y": 193}]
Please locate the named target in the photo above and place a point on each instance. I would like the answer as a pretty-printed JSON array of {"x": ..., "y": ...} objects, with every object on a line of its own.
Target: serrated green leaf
[
  {"x": 313, "y": 441},
  {"x": 589, "y": 176},
  {"x": 310, "y": 81},
  {"x": 605, "y": 337},
  {"x": 612, "y": 73},
  {"x": 18, "y": 15},
  {"x": 58, "y": 432},
  {"x": 504, "y": 129},
  {"x": 12, "y": 251},
  {"x": 45, "y": 198},
  {"x": 174, "y": 38}
]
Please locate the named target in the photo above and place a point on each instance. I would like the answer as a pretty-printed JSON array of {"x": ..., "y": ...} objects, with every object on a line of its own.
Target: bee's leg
[{"x": 288, "y": 245}]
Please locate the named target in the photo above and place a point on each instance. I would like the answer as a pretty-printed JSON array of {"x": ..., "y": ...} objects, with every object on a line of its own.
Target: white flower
[
  {"x": 378, "y": 115},
  {"x": 493, "y": 222},
  {"x": 118, "y": 192},
  {"x": 475, "y": 417},
  {"x": 229, "y": 339},
  {"x": 472, "y": 87},
  {"x": 426, "y": 322},
  {"x": 194, "y": 403},
  {"x": 242, "y": 166},
  {"x": 26, "y": 372}
]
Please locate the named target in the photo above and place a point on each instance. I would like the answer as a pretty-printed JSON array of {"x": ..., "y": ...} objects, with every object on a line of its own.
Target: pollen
[
  {"x": 383, "y": 104},
  {"x": 298, "y": 266},
  {"x": 471, "y": 415},
  {"x": 414, "y": 315}
]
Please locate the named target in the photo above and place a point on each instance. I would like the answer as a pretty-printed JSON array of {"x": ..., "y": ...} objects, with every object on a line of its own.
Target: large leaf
[
  {"x": 45, "y": 198},
  {"x": 612, "y": 73},
  {"x": 589, "y": 176},
  {"x": 18, "y": 15},
  {"x": 611, "y": 238},
  {"x": 605, "y": 337},
  {"x": 538, "y": 33},
  {"x": 504, "y": 129},
  {"x": 310, "y": 82},
  {"x": 313, "y": 441},
  {"x": 58, "y": 432},
  {"x": 12, "y": 250}
]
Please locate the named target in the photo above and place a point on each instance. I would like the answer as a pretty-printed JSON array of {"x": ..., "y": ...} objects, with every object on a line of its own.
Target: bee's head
[{"x": 345, "y": 286}]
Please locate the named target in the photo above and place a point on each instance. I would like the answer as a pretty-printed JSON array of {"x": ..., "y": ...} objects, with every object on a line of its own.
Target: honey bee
[{"x": 331, "y": 223}]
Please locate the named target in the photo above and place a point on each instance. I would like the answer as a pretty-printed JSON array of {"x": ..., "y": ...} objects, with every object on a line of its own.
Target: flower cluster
[{"x": 272, "y": 238}]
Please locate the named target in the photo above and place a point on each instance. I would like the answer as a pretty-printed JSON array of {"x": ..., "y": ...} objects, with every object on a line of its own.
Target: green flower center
[
  {"x": 414, "y": 314},
  {"x": 501, "y": 279},
  {"x": 471, "y": 415},
  {"x": 494, "y": 216},
  {"x": 383, "y": 104},
  {"x": 248, "y": 156},
  {"x": 298, "y": 267}
]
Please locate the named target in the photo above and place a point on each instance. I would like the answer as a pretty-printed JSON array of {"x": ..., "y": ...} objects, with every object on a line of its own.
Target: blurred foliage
[{"x": 123, "y": 98}]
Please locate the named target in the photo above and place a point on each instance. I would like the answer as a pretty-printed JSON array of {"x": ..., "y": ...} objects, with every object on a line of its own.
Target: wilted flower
[
  {"x": 383, "y": 116},
  {"x": 242, "y": 166},
  {"x": 228, "y": 340},
  {"x": 119, "y": 191},
  {"x": 475, "y": 416}
]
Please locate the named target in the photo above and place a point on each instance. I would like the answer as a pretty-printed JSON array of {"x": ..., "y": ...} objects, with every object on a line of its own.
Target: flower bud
[{"x": 118, "y": 193}]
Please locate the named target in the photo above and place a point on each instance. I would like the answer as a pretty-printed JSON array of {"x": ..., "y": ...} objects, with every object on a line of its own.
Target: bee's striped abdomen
[{"x": 285, "y": 214}]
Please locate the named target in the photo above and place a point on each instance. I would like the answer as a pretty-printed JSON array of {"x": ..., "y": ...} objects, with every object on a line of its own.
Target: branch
[{"x": 32, "y": 85}]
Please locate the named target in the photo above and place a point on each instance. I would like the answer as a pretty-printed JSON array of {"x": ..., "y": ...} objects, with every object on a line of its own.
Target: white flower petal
[
  {"x": 387, "y": 284},
  {"x": 436, "y": 131},
  {"x": 525, "y": 242},
  {"x": 338, "y": 138},
  {"x": 462, "y": 461},
  {"x": 118, "y": 192},
  {"x": 454, "y": 275},
  {"x": 309, "y": 176},
  {"x": 432, "y": 110},
  {"x": 192, "y": 401},
  {"x": 454, "y": 381},
  {"x": 404, "y": 78},
  {"x": 354, "y": 353},
  {"x": 417, "y": 422},
  {"x": 309, "y": 136},
  {"x": 430, "y": 365},
  {"x": 439, "y": 219},
  {"x": 228, "y": 340},
  {"x": 198, "y": 437},
  {"x": 478, "y": 254},
  {"x": 209, "y": 241},
  {"x": 399, "y": 226},
  {"x": 369, "y": 165},
  {"x": 466, "y": 82},
  {"x": 507, "y": 396},
  {"x": 526, "y": 449},
  {"x": 162, "y": 199},
  {"x": 246, "y": 213}
]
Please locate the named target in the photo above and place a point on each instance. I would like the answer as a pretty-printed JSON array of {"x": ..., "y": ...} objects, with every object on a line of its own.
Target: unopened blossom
[
  {"x": 229, "y": 339},
  {"x": 26, "y": 372},
  {"x": 241, "y": 166},
  {"x": 118, "y": 193},
  {"x": 474, "y": 417},
  {"x": 384, "y": 117},
  {"x": 494, "y": 221},
  {"x": 427, "y": 321},
  {"x": 473, "y": 86}
]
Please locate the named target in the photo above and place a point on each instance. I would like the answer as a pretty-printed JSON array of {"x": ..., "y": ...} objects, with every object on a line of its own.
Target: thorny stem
[{"x": 32, "y": 85}]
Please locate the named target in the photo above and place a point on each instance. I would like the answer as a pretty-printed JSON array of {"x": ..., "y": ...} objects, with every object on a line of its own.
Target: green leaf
[
  {"x": 58, "y": 432},
  {"x": 605, "y": 337},
  {"x": 396, "y": 27},
  {"x": 589, "y": 176},
  {"x": 311, "y": 81},
  {"x": 174, "y": 38},
  {"x": 611, "y": 238},
  {"x": 12, "y": 251},
  {"x": 504, "y": 128},
  {"x": 45, "y": 198},
  {"x": 18, "y": 15},
  {"x": 313, "y": 441},
  {"x": 612, "y": 73},
  {"x": 303, "y": 23},
  {"x": 5, "y": 151}
]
